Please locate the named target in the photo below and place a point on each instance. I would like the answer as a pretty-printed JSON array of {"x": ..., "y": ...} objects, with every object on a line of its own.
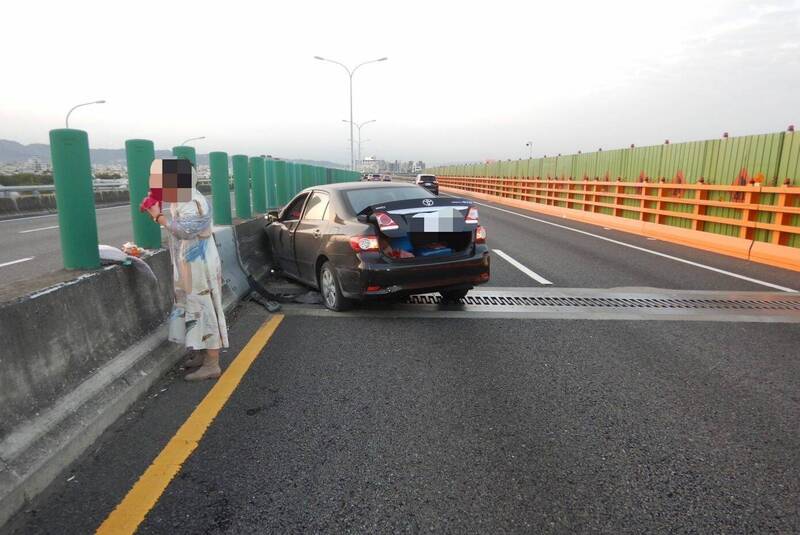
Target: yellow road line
[{"x": 130, "y": 512}]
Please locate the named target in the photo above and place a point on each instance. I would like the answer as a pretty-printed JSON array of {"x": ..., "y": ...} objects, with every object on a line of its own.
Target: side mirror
[{"x": 272, "y": 216}]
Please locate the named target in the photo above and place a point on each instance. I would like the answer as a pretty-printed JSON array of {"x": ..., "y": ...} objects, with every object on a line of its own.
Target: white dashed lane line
[
  {"x": 532, "y": 274},
  {"x": 642, "y": 249},
  {"x": 4, "y": 264}
]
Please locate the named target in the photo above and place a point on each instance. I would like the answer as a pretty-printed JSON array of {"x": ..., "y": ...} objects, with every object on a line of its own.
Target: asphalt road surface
[
  {"x": 372, "y": 423},
  {"x": 376, "y": 425}
]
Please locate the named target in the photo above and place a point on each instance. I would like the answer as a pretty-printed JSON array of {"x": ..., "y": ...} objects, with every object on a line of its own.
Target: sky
[{"x": 465, "y": 81}]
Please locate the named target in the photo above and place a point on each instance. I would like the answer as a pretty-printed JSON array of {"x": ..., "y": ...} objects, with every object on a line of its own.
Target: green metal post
[
  {"x": 259, "y": 184},
  {"x": 220, "y": 188},
  {"x": 291, "y": 185},
  {"x": 307, "y": 176},
  {"x": 241, "y": 186},
  {"x": 77, "y": 221},
  {"x": 185, "y": 151},
  {"x": 281, "y": 183},
  {"x": 269, "y": 170},
  {"x": 140, "y": 154}
]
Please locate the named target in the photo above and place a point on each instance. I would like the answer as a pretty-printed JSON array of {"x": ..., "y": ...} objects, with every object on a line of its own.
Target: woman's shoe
[
  {"x": 194, "y": 361},
  {"x": 204, "y": 372}
]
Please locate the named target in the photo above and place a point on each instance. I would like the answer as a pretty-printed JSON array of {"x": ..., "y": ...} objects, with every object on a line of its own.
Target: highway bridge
[{"x": 601, "y": 381}]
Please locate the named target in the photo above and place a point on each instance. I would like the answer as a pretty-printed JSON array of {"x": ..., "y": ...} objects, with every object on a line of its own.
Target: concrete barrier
[{"x": 77, "y": 355}]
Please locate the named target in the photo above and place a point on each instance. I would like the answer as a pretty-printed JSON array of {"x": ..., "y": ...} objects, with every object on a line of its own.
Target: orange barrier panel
[{"x": 752, "y": 229}]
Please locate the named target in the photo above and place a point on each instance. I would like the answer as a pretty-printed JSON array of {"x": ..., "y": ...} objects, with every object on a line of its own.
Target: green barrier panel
[
  {"x": 72, "y": 175},
  {"x": 281, "y": 183},
  {"x": 258, "y": 181},
  {"x": 548, "y": 169},
  {"x": 789, "y": 167},
  {"x": 184, "y": 151},
  {"x": 272, "y": 192},
  {"x": 585, "y": 165},
  {"x": 220, "y": 188},
  {"x": 241, "y": 186},
  {"x": 139, "y": 155},
  {"x": 564, "y": 167},
  {"x": 683, "y": 160}
]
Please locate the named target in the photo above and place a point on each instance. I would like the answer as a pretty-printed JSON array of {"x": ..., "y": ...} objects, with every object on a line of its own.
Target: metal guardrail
[{"x": 48, "y": 188}]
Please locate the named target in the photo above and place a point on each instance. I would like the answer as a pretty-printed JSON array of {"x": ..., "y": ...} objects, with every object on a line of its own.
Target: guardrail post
[
  {"x": 77, "y": 219},
  {"x": 241, "y": 186},
  {"x": 259, "y": 184},
  {"x": 186, "y": 152},
  {"x": 220, "y": 188},
  {"x": 140, "y": 154}
]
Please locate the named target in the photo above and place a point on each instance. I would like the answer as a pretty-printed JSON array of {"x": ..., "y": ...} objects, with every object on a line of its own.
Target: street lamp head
[
  {"x": 319, "y": 58},
  {"x": 99, "y": 101},
  {"x": 383, "y": 59}
]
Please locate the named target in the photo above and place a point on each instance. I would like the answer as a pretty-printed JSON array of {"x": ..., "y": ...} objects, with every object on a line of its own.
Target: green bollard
[
  {"x": 259, "y": 184},
  {"x": 269, "y": 171},
  {"x": 281, "y": 183},
  {"x": 140, "y": 154},
  {"x": 220, "y": 188},
  {"x": 291, "y": 187},
  {"x": 241, "y": 186},
  {"x": 308, "y": 176},
  {"x": 77, "y": 219},
  {"x": 185, "y": 151}
]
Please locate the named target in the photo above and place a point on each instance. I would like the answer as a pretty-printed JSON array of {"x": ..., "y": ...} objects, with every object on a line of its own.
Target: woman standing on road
[{"x": 197, "y": 319}]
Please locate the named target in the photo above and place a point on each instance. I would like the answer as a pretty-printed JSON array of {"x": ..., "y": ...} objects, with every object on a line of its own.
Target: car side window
[
  {"x": 317, "y": 204},
  {"x": 294, "y": 210}
]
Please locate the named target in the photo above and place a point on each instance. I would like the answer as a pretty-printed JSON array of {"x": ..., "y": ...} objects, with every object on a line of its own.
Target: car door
[
  {"x": 309, "y": 234},
  {"x": 283, "y": 235}
]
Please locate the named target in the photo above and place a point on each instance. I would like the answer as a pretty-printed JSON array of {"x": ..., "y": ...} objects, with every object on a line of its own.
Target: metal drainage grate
[{"x": 613, "y": 302}]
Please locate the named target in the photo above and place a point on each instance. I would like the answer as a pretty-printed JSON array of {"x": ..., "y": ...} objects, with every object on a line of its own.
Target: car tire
[
  {"x": 452, "y": 296},
  {"x": 330, "y": 289}
]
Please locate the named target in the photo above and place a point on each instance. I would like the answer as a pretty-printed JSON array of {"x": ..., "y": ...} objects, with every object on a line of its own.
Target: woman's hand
[{"x": 153, "y": 210}]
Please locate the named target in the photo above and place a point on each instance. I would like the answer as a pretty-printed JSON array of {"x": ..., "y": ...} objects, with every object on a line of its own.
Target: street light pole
[
  {"x": 359, "y": 132},
  {"x": 350, "y": 74},
  {"x": 529, "y": 144},
  {"x": 66, "y": 121},
  {"x": 192, "y": 139}
]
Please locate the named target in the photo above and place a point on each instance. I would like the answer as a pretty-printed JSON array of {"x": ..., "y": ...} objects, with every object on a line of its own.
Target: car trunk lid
[{"x": 423, "y": 229}]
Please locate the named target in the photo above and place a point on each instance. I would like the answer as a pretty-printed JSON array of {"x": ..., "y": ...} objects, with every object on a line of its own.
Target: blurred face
[{"x": 172, "y": 178}]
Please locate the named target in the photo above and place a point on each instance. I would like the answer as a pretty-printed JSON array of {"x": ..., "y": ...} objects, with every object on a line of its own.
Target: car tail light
[
  {"x": 385, "y": 222},
  {"x": 362, "y": 244},
  {"x": 480, "y": 234},
  {"x": 374, "y": 288},
  {"x": 472, "y": 215}
]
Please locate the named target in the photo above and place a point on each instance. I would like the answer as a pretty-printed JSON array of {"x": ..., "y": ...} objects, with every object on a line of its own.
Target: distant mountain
[{"x": 11, "y": 151}]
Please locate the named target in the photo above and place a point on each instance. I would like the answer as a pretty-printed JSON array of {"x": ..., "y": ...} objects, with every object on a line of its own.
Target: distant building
[{"x": 371, "y": 164}]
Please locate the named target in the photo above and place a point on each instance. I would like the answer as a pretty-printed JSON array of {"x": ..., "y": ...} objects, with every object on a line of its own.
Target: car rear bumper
[{"x": 380, "y": 278}]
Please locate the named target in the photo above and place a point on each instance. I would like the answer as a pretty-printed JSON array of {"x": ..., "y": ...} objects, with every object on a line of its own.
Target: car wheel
[
  {"x": 331, "y": 291},
  {"x": 451, "y": 296}
]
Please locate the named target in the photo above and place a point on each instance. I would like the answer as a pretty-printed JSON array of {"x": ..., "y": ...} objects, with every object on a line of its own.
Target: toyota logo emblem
[{"x": 427, "y": 202}]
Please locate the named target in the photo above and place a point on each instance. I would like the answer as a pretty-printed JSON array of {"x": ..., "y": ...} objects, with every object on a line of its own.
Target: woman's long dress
[{"x": 197, "y": 319}]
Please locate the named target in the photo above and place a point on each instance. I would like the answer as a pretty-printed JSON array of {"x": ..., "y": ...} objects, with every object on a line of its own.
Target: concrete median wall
[{"x": 54, "y": 339}]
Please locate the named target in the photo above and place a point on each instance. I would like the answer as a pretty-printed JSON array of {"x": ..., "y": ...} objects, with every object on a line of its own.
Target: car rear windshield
[
  {"x": 361, "y": 198},
  {"x": 427, "y": 178}
]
